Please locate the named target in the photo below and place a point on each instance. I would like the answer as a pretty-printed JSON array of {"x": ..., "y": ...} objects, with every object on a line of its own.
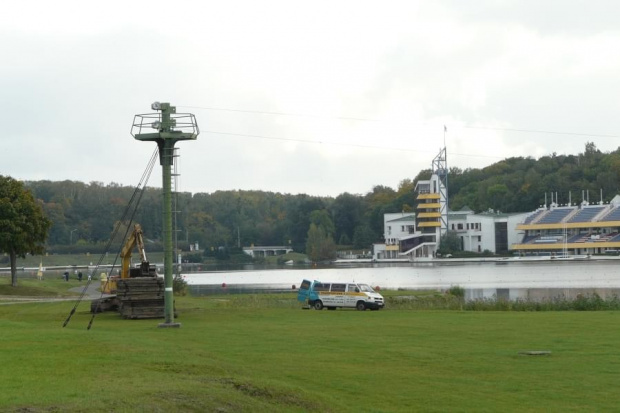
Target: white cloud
[{"x": 77, "y": 72}]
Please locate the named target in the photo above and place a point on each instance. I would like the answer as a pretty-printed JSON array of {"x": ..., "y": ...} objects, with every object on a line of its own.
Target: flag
[{"x": 445, "y": 129}]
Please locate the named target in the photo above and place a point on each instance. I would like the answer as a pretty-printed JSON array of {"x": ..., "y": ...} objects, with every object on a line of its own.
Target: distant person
[
  {"x": 80, "y": 276},
  {"x": 66, "y": 275}
]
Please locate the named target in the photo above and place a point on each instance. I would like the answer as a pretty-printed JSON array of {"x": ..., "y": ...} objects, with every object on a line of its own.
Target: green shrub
[
  {"x": 193, "y": 257},
  {"x": 456, "y": 291},
  {"x": 179, "y": 286}
]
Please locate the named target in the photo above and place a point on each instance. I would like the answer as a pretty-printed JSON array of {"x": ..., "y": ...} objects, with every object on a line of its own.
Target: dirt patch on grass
[
  {"x": 274, "y": 395},
  {"x": 32, "y": 409}
]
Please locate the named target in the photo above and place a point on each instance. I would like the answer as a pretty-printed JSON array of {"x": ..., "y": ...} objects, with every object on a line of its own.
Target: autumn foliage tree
[
  {"x": 23, "y": 225},
  {"x": 320, "y": 245}
]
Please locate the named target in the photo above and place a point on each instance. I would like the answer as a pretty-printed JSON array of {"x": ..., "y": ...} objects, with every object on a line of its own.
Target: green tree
[
  {"x": 320, "y": 246},
  {"x": 23, "y": 225},
  {"x": 321, "y": 218},
  {"x": 450, "y": 243},
  {"x": 344, "y": 240},
  {"x": 298, "y": 216},
  {"x": 496, "y": 194},
  {"x": 348, "y": 211},
  {"x": 379, "y": 202},
  {"x": 363, "y": 236}
]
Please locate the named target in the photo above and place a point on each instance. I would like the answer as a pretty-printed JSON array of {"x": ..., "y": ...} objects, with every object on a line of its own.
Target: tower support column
[
  {"x": 170, "y": 127},
  {"x": 166, "y": 149}
]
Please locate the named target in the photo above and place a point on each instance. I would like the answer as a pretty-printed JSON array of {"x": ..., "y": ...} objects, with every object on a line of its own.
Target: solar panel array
[
  {"x": 614, "y": 215},
  {"x": 586, "y": 214},
  {"x": 555, "y": 216},
  {"x": 535, "y": 215}
]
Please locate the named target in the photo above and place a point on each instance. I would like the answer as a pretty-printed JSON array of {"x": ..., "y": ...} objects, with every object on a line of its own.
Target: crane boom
[{"x": 136, "y": 238}]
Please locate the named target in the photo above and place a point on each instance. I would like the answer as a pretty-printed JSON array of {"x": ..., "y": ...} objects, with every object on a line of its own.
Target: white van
[{"x": 332, "y": 295}]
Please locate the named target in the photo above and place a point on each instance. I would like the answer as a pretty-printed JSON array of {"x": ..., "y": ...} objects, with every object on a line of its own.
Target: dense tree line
[
  {"x": 520, "y": 184},
  {"x": 84, "y": 213},
  {"x": 87, "y": 214}
]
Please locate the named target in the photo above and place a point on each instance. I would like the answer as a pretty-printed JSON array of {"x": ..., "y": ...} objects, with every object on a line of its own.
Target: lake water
[{"x": 509, "y": 279}]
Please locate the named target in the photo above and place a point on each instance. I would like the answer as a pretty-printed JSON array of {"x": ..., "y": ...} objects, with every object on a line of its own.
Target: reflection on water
[
  {"x": 524, "y": 280},
  {"x": 511, "y": 280}
]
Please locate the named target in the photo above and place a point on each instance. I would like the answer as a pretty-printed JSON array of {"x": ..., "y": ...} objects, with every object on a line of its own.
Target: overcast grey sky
[{"x": 317, "y": 97}]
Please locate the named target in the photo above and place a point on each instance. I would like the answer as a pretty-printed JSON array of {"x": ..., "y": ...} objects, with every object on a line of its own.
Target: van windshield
[{"x": 365, "y": 288}]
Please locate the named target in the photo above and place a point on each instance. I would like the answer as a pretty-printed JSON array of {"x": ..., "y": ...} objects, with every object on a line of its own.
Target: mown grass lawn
[
  {"x": 251, "y": 353},
  {"x": 48, "y": 287}
]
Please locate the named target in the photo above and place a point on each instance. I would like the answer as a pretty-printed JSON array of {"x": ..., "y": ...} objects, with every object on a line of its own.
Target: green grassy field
[
  {"x": 251, "y": 353},
  {"x": 53, "y": 287}
]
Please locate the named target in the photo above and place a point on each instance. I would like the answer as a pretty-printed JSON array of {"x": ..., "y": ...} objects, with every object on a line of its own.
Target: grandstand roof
[
  {"x": 407, "y": 218},
  {"x": 572, "y": 217}
]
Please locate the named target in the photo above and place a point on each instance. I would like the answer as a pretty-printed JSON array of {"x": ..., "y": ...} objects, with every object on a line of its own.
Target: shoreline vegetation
[{"x": 453, "y": 299}]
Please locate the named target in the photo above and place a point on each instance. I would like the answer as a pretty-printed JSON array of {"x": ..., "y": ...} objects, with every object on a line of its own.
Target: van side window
[
  {"x": 321, "y": 287},
  {"x": 352, "y": 288},
  {"x": 339, "y": 288}
]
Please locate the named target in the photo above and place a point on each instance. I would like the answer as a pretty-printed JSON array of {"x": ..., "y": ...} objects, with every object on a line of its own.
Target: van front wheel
[
  {"x": 318, "y": 305},
  {"x": 360, "y": 306}
]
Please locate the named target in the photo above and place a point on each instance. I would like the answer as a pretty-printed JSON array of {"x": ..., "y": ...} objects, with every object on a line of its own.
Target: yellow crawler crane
[
  {"x": 136, "y": 238},
  {"x": 136, "y": 292}
]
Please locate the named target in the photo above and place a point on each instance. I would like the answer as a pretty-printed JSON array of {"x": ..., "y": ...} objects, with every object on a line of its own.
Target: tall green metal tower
[{"x": 170, "y": 127}]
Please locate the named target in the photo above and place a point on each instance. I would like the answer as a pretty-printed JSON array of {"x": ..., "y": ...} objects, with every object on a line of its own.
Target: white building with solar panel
[
  {"x": 571, "y": 230},
  {"x": 554, "y": 230}
]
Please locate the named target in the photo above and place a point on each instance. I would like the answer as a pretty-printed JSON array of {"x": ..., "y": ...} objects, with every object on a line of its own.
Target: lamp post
[{"x": 71, "y": 236}]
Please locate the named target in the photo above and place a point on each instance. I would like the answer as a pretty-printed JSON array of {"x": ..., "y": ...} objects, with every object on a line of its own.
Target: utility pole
[{"x": 170, "y": 128}]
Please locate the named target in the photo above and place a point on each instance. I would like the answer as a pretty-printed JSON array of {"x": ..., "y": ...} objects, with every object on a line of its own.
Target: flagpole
[
  {"x": 445, "y": 155},
  {"x": 445, "y": 129}
]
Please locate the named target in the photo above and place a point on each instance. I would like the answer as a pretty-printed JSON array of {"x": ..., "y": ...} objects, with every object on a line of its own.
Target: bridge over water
[{"x": 269, "y": 251}]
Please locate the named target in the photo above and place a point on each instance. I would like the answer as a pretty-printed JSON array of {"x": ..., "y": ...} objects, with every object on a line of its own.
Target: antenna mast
[{"x": 170, "y": 127}]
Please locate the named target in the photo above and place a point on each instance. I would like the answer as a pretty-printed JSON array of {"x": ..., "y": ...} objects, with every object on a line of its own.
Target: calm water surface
[
  {"x": 481, "y": 279},
  {"x": 508, "y": 279}
]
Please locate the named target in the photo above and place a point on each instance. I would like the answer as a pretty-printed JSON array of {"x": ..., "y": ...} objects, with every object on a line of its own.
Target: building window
[
  {"x": 479, "y": 238},
  {"x": 459, "y": 226}
]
